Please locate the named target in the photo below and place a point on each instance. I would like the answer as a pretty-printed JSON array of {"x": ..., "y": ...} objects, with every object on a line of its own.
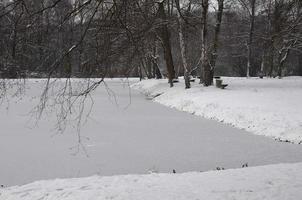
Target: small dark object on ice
[
  {"x": 174, "y": 171},
  {"x": 245, "y": 165},
  {"x": 2, "y": 186},
  {"x": 217, "y": 77},
  {"x": 192, "y": 80},
  {"x": 219, "y": 168}
]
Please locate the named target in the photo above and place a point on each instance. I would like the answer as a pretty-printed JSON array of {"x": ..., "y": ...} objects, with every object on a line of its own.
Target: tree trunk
[
  {"x": 214, "y": 53},
  {"x": 205, "y": 77},
  {"x": 271, "y": 59},
  {"x": 15, "y": 34},
  {"x": 250, "y": 41},
  {"x": 282, "y": 58},
  {"x": 165, "y": 37},
  {"x": 148, "y": 61},
  {"x": 14, "y": 43},
  {"x": 156, "y": 71},
  {"x": 280, "y": 65},
  {"x": 261, "y": 73},
  {"x": 183, "y": 47},
  {"x": 140, "y": 73}
]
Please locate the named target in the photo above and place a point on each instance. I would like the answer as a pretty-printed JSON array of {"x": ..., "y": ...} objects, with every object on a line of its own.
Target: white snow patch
[
  {"x": 270, "y": 107},
  {"x": 276, "y": 182}
]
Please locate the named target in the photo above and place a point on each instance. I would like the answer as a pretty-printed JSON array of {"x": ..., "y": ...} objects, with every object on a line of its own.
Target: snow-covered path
[{"x": 145, "y": 136}]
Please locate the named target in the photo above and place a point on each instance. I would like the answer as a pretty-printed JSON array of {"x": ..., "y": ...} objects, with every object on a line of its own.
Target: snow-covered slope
[
  {"x": 275, "y": 182},
  {"x": 270, "y": 107}
]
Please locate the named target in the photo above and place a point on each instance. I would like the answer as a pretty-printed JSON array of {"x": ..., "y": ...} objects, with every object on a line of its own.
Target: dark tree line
[{"x": 150, "y": 38}]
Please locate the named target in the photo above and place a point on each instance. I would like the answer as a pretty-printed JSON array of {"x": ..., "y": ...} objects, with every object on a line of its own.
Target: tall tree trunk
[
  {"x": 300, "y": 54},
  {"x": 261, "y": 73},
  {"x": 140, "y": 73},
  {"x": 270, "y": 42},
  {"x": 214, "y": 53},
  {"x": 183, "y": 47},
  {"x": 156, "y": 71},
  {"x": 250, "y": 40},
  {"x": 165, "y": 38},
  {"x": 271, "y": 59},
  {"x": 282, "y": 58},
  {"x": 148, "y": 61},
  {"x": 205, "y": 77},
  {"x": 15, "y": 34},
  {"x": 14, "y": 43}
]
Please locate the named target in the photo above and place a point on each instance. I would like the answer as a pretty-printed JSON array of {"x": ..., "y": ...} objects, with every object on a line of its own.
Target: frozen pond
[{"x": 142, "y": 137}]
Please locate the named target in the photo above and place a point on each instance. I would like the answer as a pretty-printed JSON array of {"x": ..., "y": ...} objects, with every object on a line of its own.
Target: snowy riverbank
[
  {"x": 276, "y": 182},
  {"x": 270, "y": 107}
]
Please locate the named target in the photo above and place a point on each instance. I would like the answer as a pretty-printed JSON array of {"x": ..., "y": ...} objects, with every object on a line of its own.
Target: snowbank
[
  {"x": 270, "y": 107},
  {"x": 281, "y": 181}
]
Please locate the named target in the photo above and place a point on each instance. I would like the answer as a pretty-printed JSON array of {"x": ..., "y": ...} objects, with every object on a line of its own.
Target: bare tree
[
  {"x": 250, "y": 7},
  {"x": 182, "y": 45},
  {"x": 215, "y": 45},
  {"x": 164, "y": 35},
  {"x": 205, "y": 77}
]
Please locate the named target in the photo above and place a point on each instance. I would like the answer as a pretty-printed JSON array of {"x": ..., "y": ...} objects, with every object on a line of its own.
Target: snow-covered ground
[
  {"x": 270, "y": 107},
  {"x": 274, "y": 182}
]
